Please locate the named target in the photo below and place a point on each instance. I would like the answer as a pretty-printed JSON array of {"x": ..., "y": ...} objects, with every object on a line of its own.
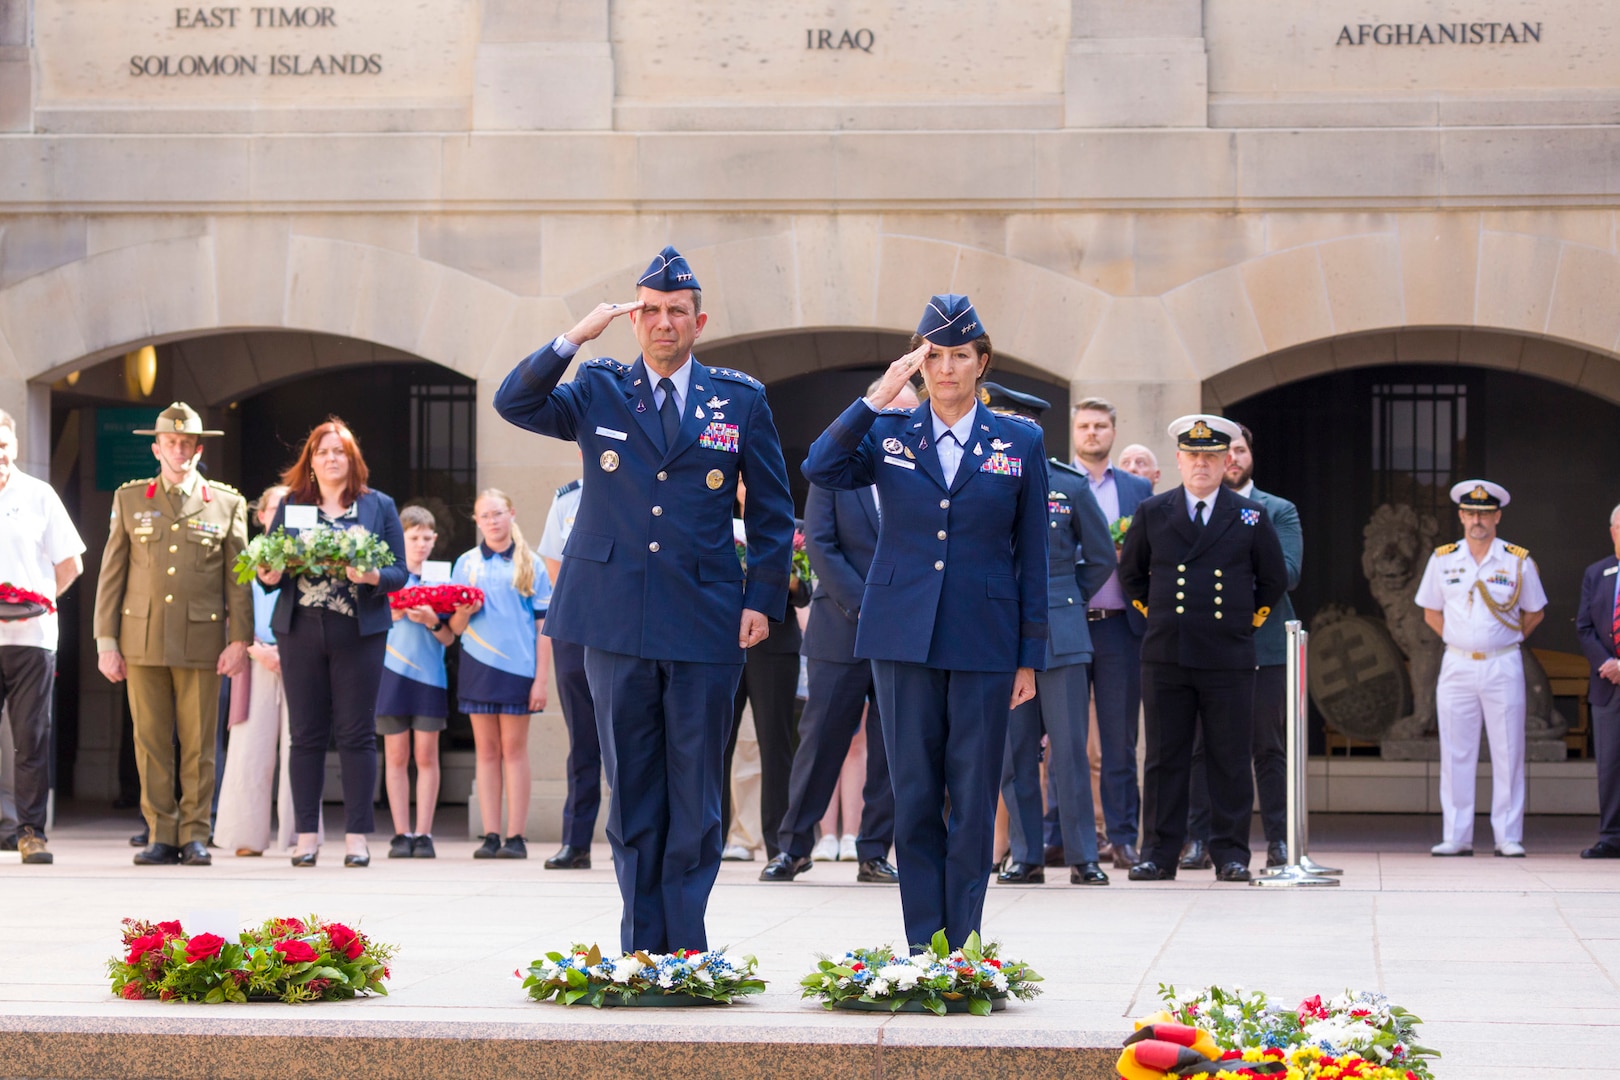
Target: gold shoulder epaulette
[
  {"x": 1445, "y": 549},
  {"x": 136, "y": 483},
  {"x": 217, "y": 486},
  {"x": 1518, "y": 552}
]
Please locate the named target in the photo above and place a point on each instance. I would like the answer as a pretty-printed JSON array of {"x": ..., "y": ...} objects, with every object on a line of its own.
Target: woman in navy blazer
[
  {"x": 332, "y": 633},
  {"x": 953, "y": 616}
]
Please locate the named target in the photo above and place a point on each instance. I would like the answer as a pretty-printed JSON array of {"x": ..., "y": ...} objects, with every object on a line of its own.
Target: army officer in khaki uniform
[{"x": 171, "y": 619}]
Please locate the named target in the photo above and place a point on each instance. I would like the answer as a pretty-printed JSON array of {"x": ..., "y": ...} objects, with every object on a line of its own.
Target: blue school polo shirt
[
  {"x": 413, "y": 681},
  {"x": 497, "y": 649}
]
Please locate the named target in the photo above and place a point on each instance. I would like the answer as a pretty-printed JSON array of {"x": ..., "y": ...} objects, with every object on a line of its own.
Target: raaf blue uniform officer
[
  {"x": 953, "y": 617},
  {"x": 651, "y": 585},
  {"x": 1081, "y": 558}
]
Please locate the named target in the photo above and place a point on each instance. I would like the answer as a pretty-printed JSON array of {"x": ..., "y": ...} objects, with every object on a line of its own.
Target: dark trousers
[
  {"x": 1116, "y": 682},
  {"x": 26, "y": 676},
  {"x": 331, "y": 674},
  {"x": 584, "y": 749},
  {"x": 663, "y": 726},
  {"x": 1269, "y": 752},
  {"x": 832, "y": 715},
  {"x": 770, "y": 681},
  {"x": 945, "y": 733},
  {"x": 1605, "y": 747},
  {"x": 1060, "y": 710},
  {"x": 1178, "y": 700}
]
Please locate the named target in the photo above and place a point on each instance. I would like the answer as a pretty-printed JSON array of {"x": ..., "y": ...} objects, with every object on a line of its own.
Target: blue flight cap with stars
[
  {"x": 669, "y": 272},
  {"x": 950, "y": 320}
]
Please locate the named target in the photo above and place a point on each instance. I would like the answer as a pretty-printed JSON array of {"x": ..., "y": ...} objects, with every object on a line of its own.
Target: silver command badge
[{"x": 891, "y": 445}]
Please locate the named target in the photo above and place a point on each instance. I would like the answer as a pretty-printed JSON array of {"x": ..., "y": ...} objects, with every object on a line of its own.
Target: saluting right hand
[
  {"x": 592, "y": 325},
  {"x": 898, "y": 375}
]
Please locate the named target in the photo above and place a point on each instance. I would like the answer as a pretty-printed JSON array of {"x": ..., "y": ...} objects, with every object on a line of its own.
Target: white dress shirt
[
  {"x": 951, "y": 450},
  {"x": 1194, "y": 500}
]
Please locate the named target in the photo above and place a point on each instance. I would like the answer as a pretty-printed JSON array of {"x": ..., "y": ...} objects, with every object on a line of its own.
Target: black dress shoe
[
  {"x": 1052, "y": 856},
  {"x": 1232, "y": 871},
  {"x": 879, "y": 871},
  {"x": 491, "y": 845},
  {"x": 1277, "y": 853},
  {"x": 196, "y": 854},
  {"x": 357, "y": 861},
  {"x": 785, "y": 867},
  {"x": 401, "y": 846},
  {"x": 158, "y": 855},
  {"x": 306, "y": 860},
  {"x": 1126, "y": 857},
  {"x": 422, "y": 847},
  {"x": 1152, "y": 871},
  {"x": 8, "y": 842},
  {"x": 1088, "y": 873},
  {"x": 1602, "y": 850},
  {"x": 141, "y": 839},
  {"x": 569, "y": 857},
  {"x": 1019, "y": 873},
  {"x": 516, "y": 847},
  {"x": 1195, "y": 856}
]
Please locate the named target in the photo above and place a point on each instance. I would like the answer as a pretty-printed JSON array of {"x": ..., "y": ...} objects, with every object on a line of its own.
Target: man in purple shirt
[{"x": 1116, "y": 633}]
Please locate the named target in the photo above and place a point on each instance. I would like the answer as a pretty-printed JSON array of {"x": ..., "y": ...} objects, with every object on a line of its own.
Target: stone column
[
  {"x": 543, "y": 67},
  {"x": 16, "y": 67},
  {"x": 1136, "y": 64}
]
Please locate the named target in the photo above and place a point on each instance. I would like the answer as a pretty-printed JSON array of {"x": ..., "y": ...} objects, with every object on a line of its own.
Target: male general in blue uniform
[
  {"x": 1081, "y": 555},
  {"x": 651, "y": 585},
  {"x": 1205, "y": 567}
]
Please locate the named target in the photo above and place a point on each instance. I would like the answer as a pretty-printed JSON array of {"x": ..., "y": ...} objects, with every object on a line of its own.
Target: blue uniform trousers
[
  {"x": 945, "y": 732},
  {"x": 1060, "y": 709},
  {"x": 832, "y": 715},
  {"x": 1116, "y": 679},
  {"x": 584, "y": 797},
  {"x": 663, "y": 726}
]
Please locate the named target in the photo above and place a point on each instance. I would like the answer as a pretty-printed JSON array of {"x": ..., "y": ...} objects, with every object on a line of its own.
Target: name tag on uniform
[
  {"x": 610, "y": 433},
  {"x": 720, "y": 437},
  {"x": 1611, "y": 571},
  {"x": 301, "y": 516},
  {"x": 904, "y": 464}
]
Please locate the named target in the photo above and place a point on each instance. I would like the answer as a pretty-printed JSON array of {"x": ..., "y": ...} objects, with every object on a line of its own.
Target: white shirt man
[
  {"x": 1483, "y": 597},
  {"x": 39, "y": 552}
]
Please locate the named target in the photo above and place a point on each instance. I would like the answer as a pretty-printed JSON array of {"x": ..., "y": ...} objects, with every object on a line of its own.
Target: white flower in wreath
[
  {"x": 666, "y": 980},
  {"x": 625, "y": 969},
  {"x": 702, "y": 975},
  {"x": 999, "y": 982},
  {"x": 902, "y": 976},
  {"x": 878, "y": 988}
]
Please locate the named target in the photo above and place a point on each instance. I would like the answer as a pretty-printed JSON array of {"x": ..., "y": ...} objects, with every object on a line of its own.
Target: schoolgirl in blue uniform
[
  {"x": 953, "y": 616},
  {"x": 412, "y": 702},
  {"x": 504, "y": 660}
]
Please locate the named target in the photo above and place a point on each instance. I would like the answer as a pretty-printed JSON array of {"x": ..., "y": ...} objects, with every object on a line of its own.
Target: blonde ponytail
[{"x": 522, "y": 557}]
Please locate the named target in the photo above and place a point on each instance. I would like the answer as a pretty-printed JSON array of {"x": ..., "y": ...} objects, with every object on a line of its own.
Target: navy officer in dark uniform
[
  {"x": 1204, "y": 565},
  {"x": 650, "y": 582},
  {"x": 1081, "y": 556},
  {"x": 953, "y": 616}
]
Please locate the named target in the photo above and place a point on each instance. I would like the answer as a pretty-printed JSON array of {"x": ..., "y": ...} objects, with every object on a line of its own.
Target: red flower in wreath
[
  {"x": 294, "y": 951},
  {"x": 11, "y": 594},
  {"x": 203, "y": 947},
  {"x": 288, "y": 927},
  {"x": 133, "y": 991},
  {"x": 171, "y": 929},
  {"x": 345, "y": 941},
  {"x": 144, "y": 944},
  {"x": 443, "y": 599}
]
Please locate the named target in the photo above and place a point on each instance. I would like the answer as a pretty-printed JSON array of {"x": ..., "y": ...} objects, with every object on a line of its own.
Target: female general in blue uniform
[{"x": 953, "y": 616}]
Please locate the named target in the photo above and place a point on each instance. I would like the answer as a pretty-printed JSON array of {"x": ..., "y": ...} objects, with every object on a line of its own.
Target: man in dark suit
[
  {"x": 840, "y": 534},
  {"x": 1204, "y": 565},
  {"x": 1597, "y": 624},
  {"x": 1116, "y": 633},
  {"x": 1081, "y": 555},
  {"x": 651, "y": 585},
  {"x": 1270, "y": 750}
]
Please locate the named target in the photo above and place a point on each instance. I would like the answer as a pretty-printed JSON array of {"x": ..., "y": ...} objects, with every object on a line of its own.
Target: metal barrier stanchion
[{"x": 1300, "y": 870}]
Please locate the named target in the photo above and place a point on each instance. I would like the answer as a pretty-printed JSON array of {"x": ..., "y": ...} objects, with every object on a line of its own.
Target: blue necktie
[{"x": 669, "y": 413}]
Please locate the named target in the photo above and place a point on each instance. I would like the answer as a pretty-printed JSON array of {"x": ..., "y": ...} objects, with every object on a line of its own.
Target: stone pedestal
[{"x": 1428, "y": 749}]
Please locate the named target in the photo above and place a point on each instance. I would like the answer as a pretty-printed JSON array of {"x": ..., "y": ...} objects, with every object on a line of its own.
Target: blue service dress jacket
[
  {"x": 1082, "y": 558},
  {"x": 1594, "y": 625},
  {"x": 959, "y": 578},
  {"x": 650, "y": 569},
  {"x": 840, "y": 536},
  {"x": 376, "y": 512},
  {"x": 1203, "y": 589}
]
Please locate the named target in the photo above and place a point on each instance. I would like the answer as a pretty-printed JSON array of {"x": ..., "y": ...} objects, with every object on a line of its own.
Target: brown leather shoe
[
  {"x": 1125, "y": 856},
  {"x": 31, "y": 846}
]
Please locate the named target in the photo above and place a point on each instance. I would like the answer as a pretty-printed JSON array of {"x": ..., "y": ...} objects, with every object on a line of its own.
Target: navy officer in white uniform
[
  {"x": 953, "y": 616},
  {"x": 1483, "y": 597},
  {"x": 650, "y": 582}
]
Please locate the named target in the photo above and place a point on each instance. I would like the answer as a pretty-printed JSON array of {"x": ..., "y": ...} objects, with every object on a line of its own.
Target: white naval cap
[
  {"x": 1202, "y": 432},
  {"x": 1479, "y": 495}
]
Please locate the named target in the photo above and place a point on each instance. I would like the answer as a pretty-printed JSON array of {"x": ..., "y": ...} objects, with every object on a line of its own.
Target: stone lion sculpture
[{"x": 1396, "y": 544}]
